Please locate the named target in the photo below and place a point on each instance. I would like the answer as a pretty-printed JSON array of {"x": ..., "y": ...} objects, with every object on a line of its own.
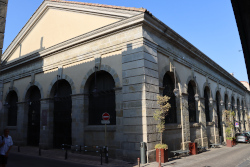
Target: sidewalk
[
  {"x": 72, "y": 157},
  {"x": 211, "y": 155},
  {"x": 196, "y": 160}
]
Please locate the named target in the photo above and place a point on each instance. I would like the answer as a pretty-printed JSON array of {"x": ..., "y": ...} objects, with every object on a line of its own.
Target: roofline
[{"x": 103, "y": 5}]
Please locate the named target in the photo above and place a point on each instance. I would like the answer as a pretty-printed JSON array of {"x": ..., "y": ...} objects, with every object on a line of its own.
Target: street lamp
[
  {"x": 56, "y": 97},
  {"x": 221, "y": 102},
  {"x": 95, "y": 90},
  {"x": 176, "y": 91}
]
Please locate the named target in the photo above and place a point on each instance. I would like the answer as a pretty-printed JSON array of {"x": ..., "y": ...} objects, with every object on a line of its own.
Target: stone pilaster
[
  {"x": 185, "y": 121},
  {"x": 140, "y": 88},
  {"x": 22, "y": 116},
  {"x": 215, "y": 120},
  {"x": 223, "y": 123},
  {"x": 47, "y": 123},
  {"x": 203, "y": 122},
  {"x": 119, "y": 136},
  {"x": 77, "y": 119},
  {"x": 242, "y": 121}
]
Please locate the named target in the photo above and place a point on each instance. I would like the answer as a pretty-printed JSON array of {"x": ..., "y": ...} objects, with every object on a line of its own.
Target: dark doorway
[
  {"x": 206, "y": 90},
  {"x": 62, "y": 114},
  {"x": 104, "y": 101},
  {"x": 218, "y": 113},
  {"x": 12, "y": 108},
  {"x": 33, "y": 134},
  {"x": 168, "y": 84},
  {"x": 191, "y": 103}
]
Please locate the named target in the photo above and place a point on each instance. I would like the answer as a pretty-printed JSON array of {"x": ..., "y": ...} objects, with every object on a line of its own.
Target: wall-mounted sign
[{"x": 236, "y": 124}]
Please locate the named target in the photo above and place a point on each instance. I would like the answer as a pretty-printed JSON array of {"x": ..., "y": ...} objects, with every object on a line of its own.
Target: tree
[
  {"x": 160, "y": 115},
  {"x": 229, "y": 117}
]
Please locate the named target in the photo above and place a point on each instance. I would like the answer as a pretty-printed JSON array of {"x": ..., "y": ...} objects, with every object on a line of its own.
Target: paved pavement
[
  {"x": 57, "y": 154},
  {"x": 238, "y": 156}
]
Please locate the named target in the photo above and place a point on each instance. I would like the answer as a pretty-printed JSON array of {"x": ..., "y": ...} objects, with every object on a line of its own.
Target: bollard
[
  {"x": 106, "y": 154},
  {"x": 18, "y": 149},
  {"x": 138, "y": 160},
  {"x": 39, "y": 152},
  {"x": 101, "y": 155},
  {"x": 143, "y": 153},
  {"x": 66, "y": 153}
]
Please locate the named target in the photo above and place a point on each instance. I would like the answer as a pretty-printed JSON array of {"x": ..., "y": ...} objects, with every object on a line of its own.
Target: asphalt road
[{"x": 19, "y": 160}]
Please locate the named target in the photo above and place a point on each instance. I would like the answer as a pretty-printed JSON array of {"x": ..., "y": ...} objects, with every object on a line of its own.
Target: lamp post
[
  {"x": 176, "y": 91},
  {"x": 221, "y": 102},
  {"x": 196, "y": 96},
  {"x": 95, "y": 90},
  {"x": 56, "y": 97}
]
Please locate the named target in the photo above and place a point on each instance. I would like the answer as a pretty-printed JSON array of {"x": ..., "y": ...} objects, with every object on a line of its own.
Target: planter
[
  {"x": 193, "y": 148},
  {"x": 164, "y": 155},
  {"x": 229, "y": 143}
]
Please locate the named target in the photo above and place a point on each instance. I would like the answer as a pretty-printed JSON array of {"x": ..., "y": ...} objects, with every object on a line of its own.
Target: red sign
[{"x": 105, "y": 116}]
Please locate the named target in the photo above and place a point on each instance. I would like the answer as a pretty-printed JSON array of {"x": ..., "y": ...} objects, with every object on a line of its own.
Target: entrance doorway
[
  {"x": 62, "y": 114},
  {"x": 33, "y": 134}
]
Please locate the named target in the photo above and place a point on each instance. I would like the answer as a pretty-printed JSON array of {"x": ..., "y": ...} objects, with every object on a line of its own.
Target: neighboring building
[
  {"x": 3, "y": 11},
  {"x": 246, "y": 84},
  {"x": 49, "y": 83}
]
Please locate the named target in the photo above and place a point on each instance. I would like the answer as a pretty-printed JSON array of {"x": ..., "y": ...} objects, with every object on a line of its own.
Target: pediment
[{"x": 56, "y": 22}]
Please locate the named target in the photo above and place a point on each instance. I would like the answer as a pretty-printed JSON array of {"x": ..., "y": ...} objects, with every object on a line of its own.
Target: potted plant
[
  {"x": 229, "y": 117},
  {"x": 160, "y": 115}
]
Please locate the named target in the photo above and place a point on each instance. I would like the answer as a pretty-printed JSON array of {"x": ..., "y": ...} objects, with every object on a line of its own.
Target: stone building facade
[
  {"x": 72, "y": 61},
  {"x": 3, "y": 11}
]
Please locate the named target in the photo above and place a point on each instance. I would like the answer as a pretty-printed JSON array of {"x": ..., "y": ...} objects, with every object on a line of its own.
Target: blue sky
[{"x": 207, "y": 24}]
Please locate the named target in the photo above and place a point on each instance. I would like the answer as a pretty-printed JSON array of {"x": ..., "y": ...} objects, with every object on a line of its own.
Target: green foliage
[
  {"x": 161, "y": 146},
  {"x": 229, "y": 117},
  {"x": 161, "y": 113}
]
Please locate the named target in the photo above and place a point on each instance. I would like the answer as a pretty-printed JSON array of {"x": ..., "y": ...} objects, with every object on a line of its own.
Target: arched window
[
  {"x": 218, "y": 112},
  {"x": 104, "y": 101},
  {"x": 238, "y": 108},
  {"x": 206, "y": 90},
  {"x": 168, "y": 91},
  {"x": 226, "y": 102},
  {"x": 12, "y": 109},
  {"x": 232, "y": 104},
  {"x": 191, "y": 103}
]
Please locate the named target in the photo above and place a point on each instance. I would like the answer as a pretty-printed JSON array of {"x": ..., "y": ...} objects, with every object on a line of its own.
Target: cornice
[{"x": 183, "y": 44}]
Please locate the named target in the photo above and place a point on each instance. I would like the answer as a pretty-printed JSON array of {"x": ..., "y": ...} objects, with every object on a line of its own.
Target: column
[
  {"x": 185, "y": 121},
  {"x": 77, "y": 119},
  {"x": 47, "y": 123},
  {"x": 22, "y": 124},
  {"x": 223, "y": 124},
  {"x": 204, "y": 139},
  {"x": 139, "y": 92},
  {"x": 215, "y": 120},
  {"x": 242, "y": 121},
  {"x": 119, "y": 136}
]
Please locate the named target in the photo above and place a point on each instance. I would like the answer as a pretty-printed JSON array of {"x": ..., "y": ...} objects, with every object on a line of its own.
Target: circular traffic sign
[{"x": 105, "y": 116}]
